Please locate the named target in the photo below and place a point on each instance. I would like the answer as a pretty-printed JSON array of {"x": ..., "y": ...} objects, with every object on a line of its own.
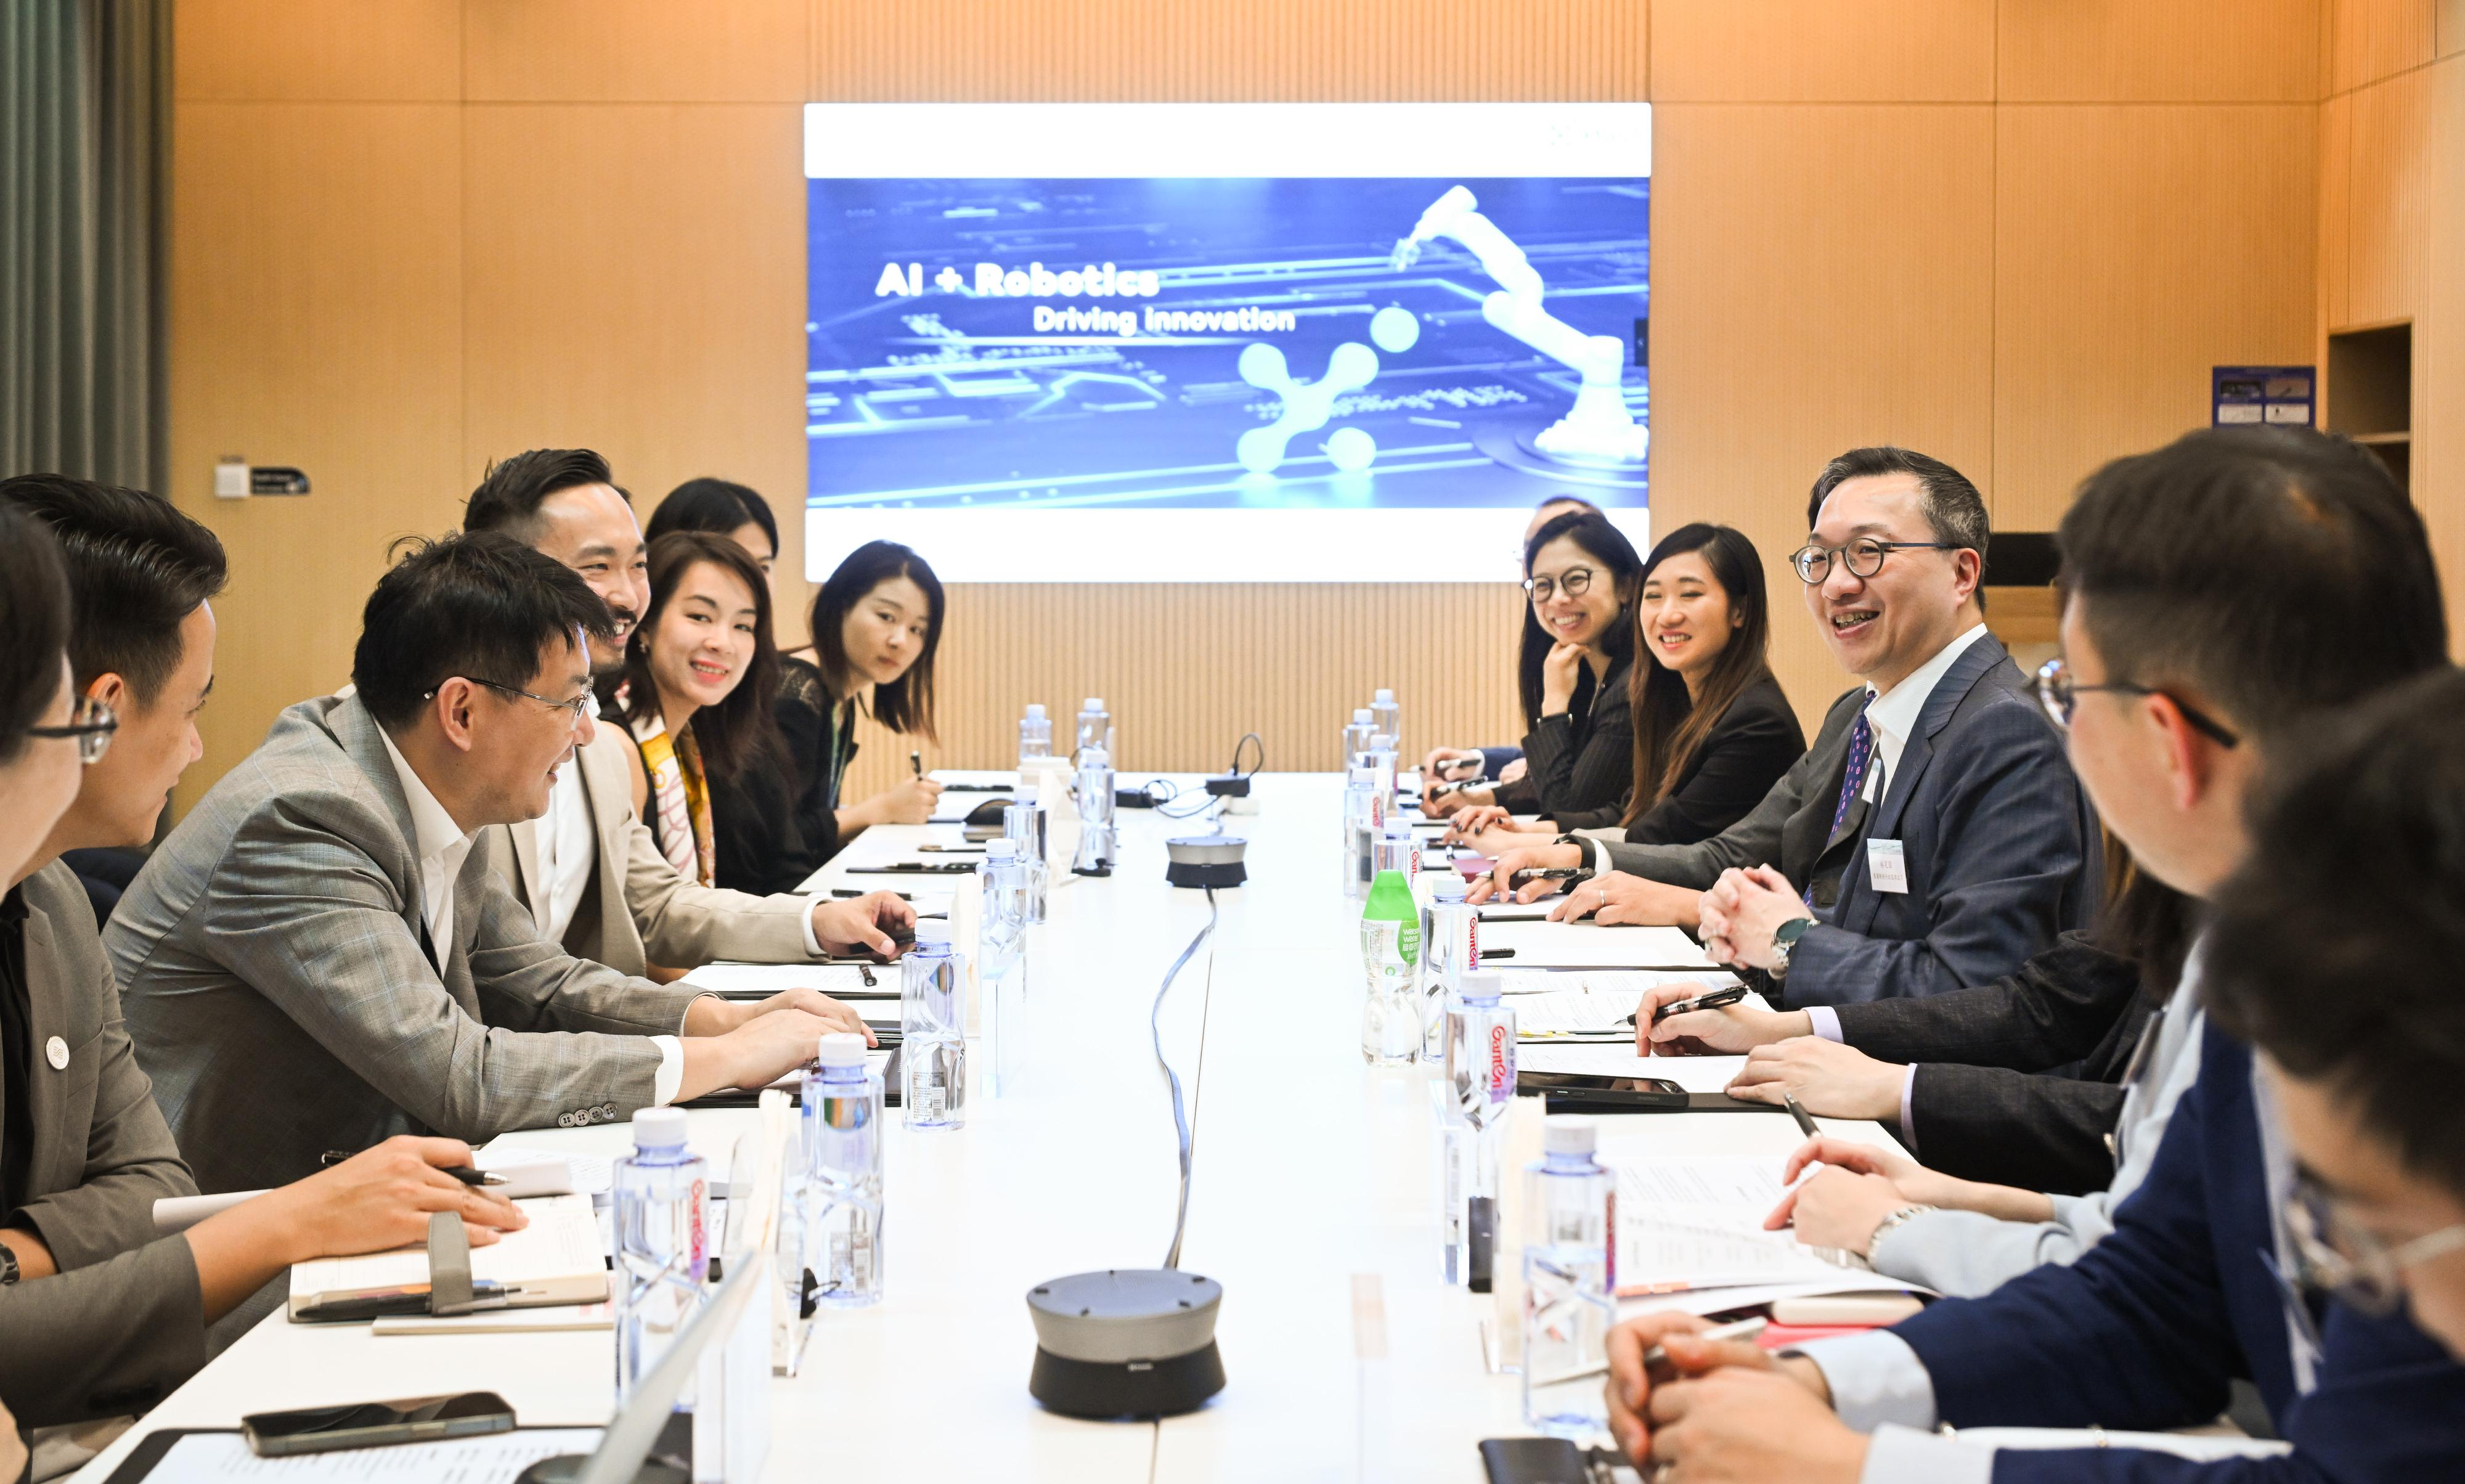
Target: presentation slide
[{"x": 1222, "y": 343}]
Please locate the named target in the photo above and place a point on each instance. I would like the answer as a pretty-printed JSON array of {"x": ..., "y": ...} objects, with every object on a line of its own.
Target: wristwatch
[
  {"x": 7, "y": 1266},
  {"x": 1785, "y": 937}
]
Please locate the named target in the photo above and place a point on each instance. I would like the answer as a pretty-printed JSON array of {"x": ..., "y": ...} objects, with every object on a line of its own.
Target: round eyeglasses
[
  {"x": 1863, "y": 557},
  {"x": 1574, "y": 583},
  {"x": 2059, "y": 693},
  {"x": 91, "y": 723},
  {"x": 2336, "y": 1255},
  {"x": 581, "y": 706}
]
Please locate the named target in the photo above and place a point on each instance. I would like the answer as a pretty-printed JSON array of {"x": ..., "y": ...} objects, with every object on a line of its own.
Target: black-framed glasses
[
  {"x": 580, "y": 706},
  {"x": 2059, "y": 693},
  {"x": 1863, "y": 557},
  {"x": 2336, "y": 1256},
  {"x": 1574, "y": 581},
  {"x": 91, "y": 723}
]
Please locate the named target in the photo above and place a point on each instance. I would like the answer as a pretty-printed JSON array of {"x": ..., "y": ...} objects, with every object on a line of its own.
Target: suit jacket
[
  {"x": 124, "y": 1322},
  {"x": 1582, "y": 759},
  {"x": 1751, "y": 748},
  {"x": 2145, "y": 1331},
  {"x": 1987, "y": 1102},
  {"x": 284, "y": 996},
  {"x": 637, "y": 909},
  {"x": 777, "y": 821},
  {"x": 1999, "y": 840}
]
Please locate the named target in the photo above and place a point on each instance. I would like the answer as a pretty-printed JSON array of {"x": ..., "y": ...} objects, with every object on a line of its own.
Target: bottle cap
[
  {"x": 1361, "y": 718},
  {"x": 1449, "y": 886},
  {"x": 1365, "y": 775},
  {"x": 1399, "y": 830},
  {"x": 659, "y": 1128},
  {"x": 1095, "y": 757},
  {"x": 1569, "y": 1136},
  {"x": 1036, "y": 711},
  {"x": 842, "y": 1049},
  {"x": 1484, "y": 987},
  {"x": 1384, "y": 697},
  {"x": 1093, "y": 704},
  {"x": 932, "y": 930},
  {"x": 1000, "y": 850},
  {"x": 1380, "y": 742}
]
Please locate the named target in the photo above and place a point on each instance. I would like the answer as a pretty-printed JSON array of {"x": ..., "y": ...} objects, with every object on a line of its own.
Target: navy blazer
[{"x": 2147, "y": 1329}]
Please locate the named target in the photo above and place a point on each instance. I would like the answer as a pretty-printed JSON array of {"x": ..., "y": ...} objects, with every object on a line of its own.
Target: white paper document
[
  {"x": 213, "y": 1457},
  {"x": 1698, "y": 1223},
  {"x": 560, "y": 1241},
  {"x": 1604, "y": 981},
  {"x": 1589, "y": 945},
  {"x": 586, "y": 1174},
  {"x": 761, "y": 980}
]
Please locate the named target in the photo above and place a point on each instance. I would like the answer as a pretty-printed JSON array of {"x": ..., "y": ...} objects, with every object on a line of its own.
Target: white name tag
[{"x": 1886, "y": 866}]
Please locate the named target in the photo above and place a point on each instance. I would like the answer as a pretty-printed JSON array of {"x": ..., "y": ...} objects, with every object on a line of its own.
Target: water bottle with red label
[
  {"x": 1479, "y": 1084},
  {"x": 662, "y": 1233}
]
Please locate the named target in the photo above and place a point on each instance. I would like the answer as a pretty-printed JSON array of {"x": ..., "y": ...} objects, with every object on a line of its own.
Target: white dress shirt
[
  {"x": 443, "y": 846},
  {"x": 1893, "y": 714},
  {"x": 569, "y": 852}
]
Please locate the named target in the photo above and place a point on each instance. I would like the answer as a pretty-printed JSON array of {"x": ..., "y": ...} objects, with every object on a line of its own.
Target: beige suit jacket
[{"x": 637, "y": 909}]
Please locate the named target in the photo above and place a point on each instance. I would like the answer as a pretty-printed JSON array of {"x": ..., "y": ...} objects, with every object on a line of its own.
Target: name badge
[{"x": 1886, "y": 866}]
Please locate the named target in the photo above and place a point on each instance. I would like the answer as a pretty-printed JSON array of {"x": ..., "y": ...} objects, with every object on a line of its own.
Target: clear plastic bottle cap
[
  {"x": 1484, "y": 987},
  {"x": 1380, "y": 742},
  {"x": 1036, "y": 711},
  {"x": 1365, "y": 775},
  {"x": 1569, "y": 1136},
  {"x": 1000, "y": 850},
  {"x": 1361, "y": 718},
  {"x": 1449, "y": 887},
  {"x": 659, "y": 1128},
  {"x": 1384, "y": 697},
  {"x": 842, "y": 1049},
  {"x": 932, "y": 930},
  {"x": 1399, "y": 830},
  {"x": 1095, "y": 757},
  {"x": 1093, "y": 704}
]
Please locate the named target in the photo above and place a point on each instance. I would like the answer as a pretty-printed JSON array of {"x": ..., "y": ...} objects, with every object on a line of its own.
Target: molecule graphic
[{"x": 1307, "y": 404}]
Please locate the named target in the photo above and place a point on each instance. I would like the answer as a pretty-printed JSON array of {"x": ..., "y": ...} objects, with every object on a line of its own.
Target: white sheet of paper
[
  {"x": 1577, "y": 1012},
  {"x": 1744, "y": 1295},
  {"x": 562, "y": 1241},
  {"x": 1589, "y": 945},
  {"x": 214, "y": 1457},
  {"x": 768, "y": 979},
  {"x": 1604, "y": 981},
  {"x": 1699, "y": 1223},
  {"x": 591, "y": 1174}
]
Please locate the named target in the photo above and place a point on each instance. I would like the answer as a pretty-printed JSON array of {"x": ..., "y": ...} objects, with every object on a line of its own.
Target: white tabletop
[{"x": 1311, "y": 1170}]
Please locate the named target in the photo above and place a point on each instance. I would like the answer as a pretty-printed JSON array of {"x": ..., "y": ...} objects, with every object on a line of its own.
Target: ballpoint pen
[
  {"x": 461, "y": 1172},
  {"x": 1797, "y": 1110},
  {"x": 1701, "y": 1002}
]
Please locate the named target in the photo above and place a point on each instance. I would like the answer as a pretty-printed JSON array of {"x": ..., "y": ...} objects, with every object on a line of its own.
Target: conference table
[{"x": 1314, "y": 1201}]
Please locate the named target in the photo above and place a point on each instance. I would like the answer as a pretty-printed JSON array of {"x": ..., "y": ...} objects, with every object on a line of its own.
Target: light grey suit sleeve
[
  {"x": 686, "y": 924},
  {"x": 105, "y": 1339}
]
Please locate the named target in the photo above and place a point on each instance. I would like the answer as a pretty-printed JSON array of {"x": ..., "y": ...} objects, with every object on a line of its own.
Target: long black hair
[
  {"x": 719, "y": 506},
  {"x": 1605, "y": 545},
  {"x": 905, "y": 704},
  {"x": 740, "y": 727},
  {"x": 1670, "y": 725}
]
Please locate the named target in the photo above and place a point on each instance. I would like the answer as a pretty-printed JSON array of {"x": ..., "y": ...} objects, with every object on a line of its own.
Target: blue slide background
[{"x": 910, "y": 401}]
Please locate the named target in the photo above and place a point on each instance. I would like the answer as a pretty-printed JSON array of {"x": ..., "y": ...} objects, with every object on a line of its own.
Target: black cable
[
  {"x": 1180, "y": 1119},
  {"x": 1256, "y": 767}
]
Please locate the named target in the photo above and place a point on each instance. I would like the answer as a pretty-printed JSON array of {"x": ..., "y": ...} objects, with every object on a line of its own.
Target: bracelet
[{"x": 1899, "y": 1218}]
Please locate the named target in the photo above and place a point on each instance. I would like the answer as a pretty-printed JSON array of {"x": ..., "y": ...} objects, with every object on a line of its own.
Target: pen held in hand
[
  {"x": 1714, "y": 1001},
  {"x": 1797, "y": 1110}
]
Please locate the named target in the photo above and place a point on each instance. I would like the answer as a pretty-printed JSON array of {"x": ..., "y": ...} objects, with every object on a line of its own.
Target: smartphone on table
[
  {"x": 417, "y": 1419},
  {"x": 1583, "y": 1091}
]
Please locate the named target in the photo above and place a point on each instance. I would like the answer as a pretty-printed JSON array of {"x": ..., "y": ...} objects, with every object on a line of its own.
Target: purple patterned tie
[{"x": 1861, "y": 751}]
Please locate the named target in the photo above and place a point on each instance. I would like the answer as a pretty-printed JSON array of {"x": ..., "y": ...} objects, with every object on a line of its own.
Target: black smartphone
[
  {"x": 418, "y": 1419},
  {"x": 1574, "y": 1091}
]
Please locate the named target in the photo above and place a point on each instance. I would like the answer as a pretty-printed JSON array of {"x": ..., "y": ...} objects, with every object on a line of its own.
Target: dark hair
[
  {"x": 905, "y": 704},
  {"x": 1670, "y": 725},
  {"x": 33, "y": 626},
  {"x": 2335, "y": 947},
  {"x": 1603, "y": 543},
  {"x": 1953, "y": 509},
  {"x": 1581, "y": 505},
  {"x": 480, "y": 605},
  {"x": 2274, "y": 572},
  {"x": 714, "y": 505},
  {"x": 136, "y": 569},
  {"x": 510, "y": 493},
  {"x": 740, "y": 727}
]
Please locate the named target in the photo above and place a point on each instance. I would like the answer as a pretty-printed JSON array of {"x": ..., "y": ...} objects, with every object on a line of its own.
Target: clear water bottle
[
  {"x": 1569, "y": 1281},
  {"x": 1383, "y": 758},
  {"x": 1480, "y": 1034},
  {"x": 1094, "y": 728},
  {"x": 932, "y": 1029},
  {"x": 1096, "y": 849},
  {"x": 1365, "y": 821},
  {"x": 1450, "y": 949},
  {"x": 1356, "y": 738},
  {"x": 832, "y": 1213},
  {"x": 662, "y": 1234},
  {"x": 1001, "y": 966},
  {"x": 1034, "y": 737},
  {"x": 1394, "y": 851},
  {"x": 1390, "y": 952},
  {"x": 1385, "y": 715},
  {"x": 1023, "y": 825}
]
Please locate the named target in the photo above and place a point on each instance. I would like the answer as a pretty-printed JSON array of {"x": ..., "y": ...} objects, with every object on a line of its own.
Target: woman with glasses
[{"x": 1712, "y": 730}]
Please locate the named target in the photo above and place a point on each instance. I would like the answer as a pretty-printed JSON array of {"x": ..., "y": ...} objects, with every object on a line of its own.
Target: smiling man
[{"x": 1934, "y": 836}]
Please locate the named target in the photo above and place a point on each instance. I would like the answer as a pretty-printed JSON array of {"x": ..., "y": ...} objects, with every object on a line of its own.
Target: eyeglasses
[
  {"x": 579, "y": 705},
  {"x": 1574, "y": 581},
  {"x": 2059, "y": 693},
  {"x": 1863, "y": 557},
  {"x": 91, "y": 723},
  {"x": 2334, "y": 1255}
]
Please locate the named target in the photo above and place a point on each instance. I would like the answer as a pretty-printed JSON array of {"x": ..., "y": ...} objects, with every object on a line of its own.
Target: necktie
[{"x": 1861, "y": 752}]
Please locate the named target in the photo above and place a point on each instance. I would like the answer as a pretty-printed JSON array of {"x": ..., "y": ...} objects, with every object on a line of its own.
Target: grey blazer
[
  {"x": 1999, "y": 839},
  {"x": 124, "y": 1322},
  {"x": 284, "y": 998}
]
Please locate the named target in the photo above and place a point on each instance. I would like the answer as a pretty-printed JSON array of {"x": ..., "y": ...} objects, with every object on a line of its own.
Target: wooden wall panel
[
  {"x": 2439, "y": 347},
  {"x": 316, "y": 303},
  {"x": 302, "y": 51},
  {"x": 1810, "y": 320},
  {"x": 2370, "y": 39},
  {"x": 637, "y": 51},
  {"x": 1234, "y": 51},
  {"x": 2336, "y": 215},
  {"x": 2179, "y": 52},
  {"x": 2389, "y": 241},
  {"x": 2203, "y": 255},
  {"x": 2451, "y": 28},
  {"x": 1823, "y": 51}
]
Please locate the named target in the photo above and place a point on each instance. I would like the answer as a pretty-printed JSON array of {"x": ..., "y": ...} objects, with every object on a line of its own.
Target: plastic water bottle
[
  {"x": 1023, "y": 825},
  {"x": 1001, "y": 968},
  {"x": 833, "y": 1209},
  {"x": 932, "y": 1027},
  {"x": 1394, "y": 851},
  {"x": 1568, "y": 1278},
  {"x": 1381, "y": 758},
  {"x": 1391, "y": 951},
  {"x": 1094, "y": 728},
  {"x": 663, "y": 1235},
  {"x": 1034, "y": 737},
  {"x": 1365, "y": 821},
  {"x": 1385, "y": 715},
  {"x": 1480, "y": 1034},
  {"x": 1096, "y": 849},
  {"x": 1450, "y": 949},
  {"x": 1356, "y": 738}
]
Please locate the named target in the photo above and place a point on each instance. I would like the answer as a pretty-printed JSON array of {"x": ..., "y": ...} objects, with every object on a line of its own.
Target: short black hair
[
  {"x": 717, "y": 506},
  {"x": 137, "y": 567},
  {"x": 509, "y": 494},
  {"x": 2274, "y": 571},
  {"x": 33, "y": 625},
  {"x": 1954, "y": 511},
  {"x": 481, "y": 606},
  {"x": 2334, "y": 949}
]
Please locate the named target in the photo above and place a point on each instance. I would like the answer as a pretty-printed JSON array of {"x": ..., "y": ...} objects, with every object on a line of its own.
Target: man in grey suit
[
  {"x": 101, "y": 1316},
  {"x": 1934, "y": 836},
  {"x": 316, "y": 959}
]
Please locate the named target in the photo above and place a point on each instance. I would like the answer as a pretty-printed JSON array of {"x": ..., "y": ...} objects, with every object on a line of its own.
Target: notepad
[
  {"x": 558, "y": 1258},
  {"x": 1589, "y": 945},
  {"x": 761, "y": 980},
  {"x": 498, "y": 1458},
  {"x": 1698, "y": 1223}
]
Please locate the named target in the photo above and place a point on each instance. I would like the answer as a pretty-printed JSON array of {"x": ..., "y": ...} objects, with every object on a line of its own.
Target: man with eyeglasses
[
  {"x": 314, "y": 960},
  {"x": 2260, "y": 579},
  {"x": 1933, "y": 836}
]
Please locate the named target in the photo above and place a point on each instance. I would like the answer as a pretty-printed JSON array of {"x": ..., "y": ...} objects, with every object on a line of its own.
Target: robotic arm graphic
[{"x": 1598, "y": 427}]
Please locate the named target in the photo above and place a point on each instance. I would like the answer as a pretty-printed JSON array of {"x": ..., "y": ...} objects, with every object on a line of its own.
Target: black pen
[
  {"x": 1701, "y": 1002},
  {"x": 1797, "y": 1110},
  {"x": 915, "y": 761},
  {"x": 461, "y": 1172},
  {"x": 1498, "y": 953}
]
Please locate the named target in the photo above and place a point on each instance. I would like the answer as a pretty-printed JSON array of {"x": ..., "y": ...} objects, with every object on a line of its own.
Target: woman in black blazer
[{"x": 1709, "y": 730}]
